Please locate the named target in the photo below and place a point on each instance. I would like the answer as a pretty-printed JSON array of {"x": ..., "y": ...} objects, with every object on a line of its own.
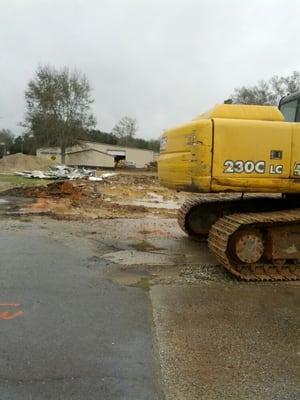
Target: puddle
[
  {"x": 163, "y": 261},
  {"x": 154, "y": 200},
  {"x": 138, "y": 279},
  {"x": 135, "y": 257}
]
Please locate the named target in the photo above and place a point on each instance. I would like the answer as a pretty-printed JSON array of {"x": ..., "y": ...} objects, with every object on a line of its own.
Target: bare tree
[
  {"x": 125, "y": 129},
  {"x": 58, "y": 107},
  {"x": 268, "y": 92}
]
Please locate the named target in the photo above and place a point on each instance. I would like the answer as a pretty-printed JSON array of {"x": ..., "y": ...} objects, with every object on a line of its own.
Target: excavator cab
[{"x": 290, "y": 107}]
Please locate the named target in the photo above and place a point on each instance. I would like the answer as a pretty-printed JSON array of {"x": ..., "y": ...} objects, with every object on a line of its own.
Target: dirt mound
[
  {"x": 20, "y": 162},
  {"x": 55, "y": 189}
]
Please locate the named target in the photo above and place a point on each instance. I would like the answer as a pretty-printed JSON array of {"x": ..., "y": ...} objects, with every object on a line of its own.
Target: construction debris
[
  {"x": 59, "y": 172},
  {"x": 64, "y": 172}
]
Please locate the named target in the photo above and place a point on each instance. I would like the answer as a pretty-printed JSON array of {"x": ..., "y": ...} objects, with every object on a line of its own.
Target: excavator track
[
  {"x": 197, "y": 215},
  {"x": 209, "y": 203},
  {"x": 243, "y": 233},
  {"x": 251, "y": 236}
]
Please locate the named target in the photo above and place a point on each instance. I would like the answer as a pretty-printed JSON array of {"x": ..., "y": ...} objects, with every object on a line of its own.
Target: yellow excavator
[{"x": 245, "y": 160}]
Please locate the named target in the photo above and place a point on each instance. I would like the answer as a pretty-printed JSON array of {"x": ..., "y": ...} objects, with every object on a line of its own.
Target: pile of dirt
[
  {"x": 63, "y": 189},
  {"x": 56, "y": 189},
  {"x": 20, "y": 162}
]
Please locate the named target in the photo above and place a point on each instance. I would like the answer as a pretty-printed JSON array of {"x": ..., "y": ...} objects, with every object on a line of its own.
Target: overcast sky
[{"x": 159, "y": 61}]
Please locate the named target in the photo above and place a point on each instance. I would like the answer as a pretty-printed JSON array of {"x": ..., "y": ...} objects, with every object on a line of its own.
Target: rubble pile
[
  {"x": 58, "y": 172},
  {"x": 65, "y": 172}
]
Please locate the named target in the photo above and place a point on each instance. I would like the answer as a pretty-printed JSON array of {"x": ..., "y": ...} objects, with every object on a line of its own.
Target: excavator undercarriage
[{"x": 256, "y": 238}]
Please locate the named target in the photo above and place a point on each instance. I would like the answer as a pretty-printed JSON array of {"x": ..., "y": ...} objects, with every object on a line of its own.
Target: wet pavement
[
  {"x": 67, "y": 333},
  {"x": 129, "y": 308}
]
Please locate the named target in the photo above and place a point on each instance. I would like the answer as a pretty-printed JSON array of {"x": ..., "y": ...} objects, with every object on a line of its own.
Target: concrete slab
[{"x": 228, "y": 341}]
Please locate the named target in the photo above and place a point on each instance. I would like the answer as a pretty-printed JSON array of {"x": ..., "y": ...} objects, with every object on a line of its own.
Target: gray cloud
[{"x": 160, "y": 61}]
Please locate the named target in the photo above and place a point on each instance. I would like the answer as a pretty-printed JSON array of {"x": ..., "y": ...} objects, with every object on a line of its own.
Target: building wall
[
  {"x": 90, "y": 158},
  {"x": 139, "y": 156}
]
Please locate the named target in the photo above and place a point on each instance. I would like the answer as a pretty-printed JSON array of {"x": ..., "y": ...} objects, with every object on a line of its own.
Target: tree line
[
  {"x": 27, "y": 144},
  {"x": 58, "y": 112},
  {"x": 267, "y": 92}
]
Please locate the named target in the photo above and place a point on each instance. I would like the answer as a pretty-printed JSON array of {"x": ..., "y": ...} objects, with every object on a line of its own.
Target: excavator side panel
[{"x": 252, "y": 156}]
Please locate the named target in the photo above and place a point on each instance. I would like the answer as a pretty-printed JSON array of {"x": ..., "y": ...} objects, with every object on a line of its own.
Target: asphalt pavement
[{"x": 67, "y": 333}]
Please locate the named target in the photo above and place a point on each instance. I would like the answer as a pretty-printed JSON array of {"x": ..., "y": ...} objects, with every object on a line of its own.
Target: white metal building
[{"x": 93, "y": 154}]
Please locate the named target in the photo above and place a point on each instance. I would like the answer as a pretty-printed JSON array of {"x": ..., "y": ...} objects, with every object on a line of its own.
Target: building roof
[
  {"x": 87, "y": 143},
  {"x": 84, "y": 150},
  {"x": 115, "y": 146}
]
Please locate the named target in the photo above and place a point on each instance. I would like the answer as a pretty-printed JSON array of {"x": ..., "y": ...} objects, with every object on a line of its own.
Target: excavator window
[
  {"x": 289, "y": 110},
  {"x": 290, "y": 107}
]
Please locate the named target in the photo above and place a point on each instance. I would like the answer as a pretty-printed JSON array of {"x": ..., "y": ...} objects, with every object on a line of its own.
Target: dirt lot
[{"x": 122, "y": 195}]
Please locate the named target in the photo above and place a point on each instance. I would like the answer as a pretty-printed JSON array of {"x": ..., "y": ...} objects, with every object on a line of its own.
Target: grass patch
[{"x": 20, "y": 180}]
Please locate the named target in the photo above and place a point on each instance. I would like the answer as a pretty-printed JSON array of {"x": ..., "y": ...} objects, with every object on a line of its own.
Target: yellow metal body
[{"x": 235, "y": 148}]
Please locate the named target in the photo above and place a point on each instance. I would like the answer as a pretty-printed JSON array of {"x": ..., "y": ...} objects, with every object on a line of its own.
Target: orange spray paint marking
[{"x": 6, "y": 315}]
